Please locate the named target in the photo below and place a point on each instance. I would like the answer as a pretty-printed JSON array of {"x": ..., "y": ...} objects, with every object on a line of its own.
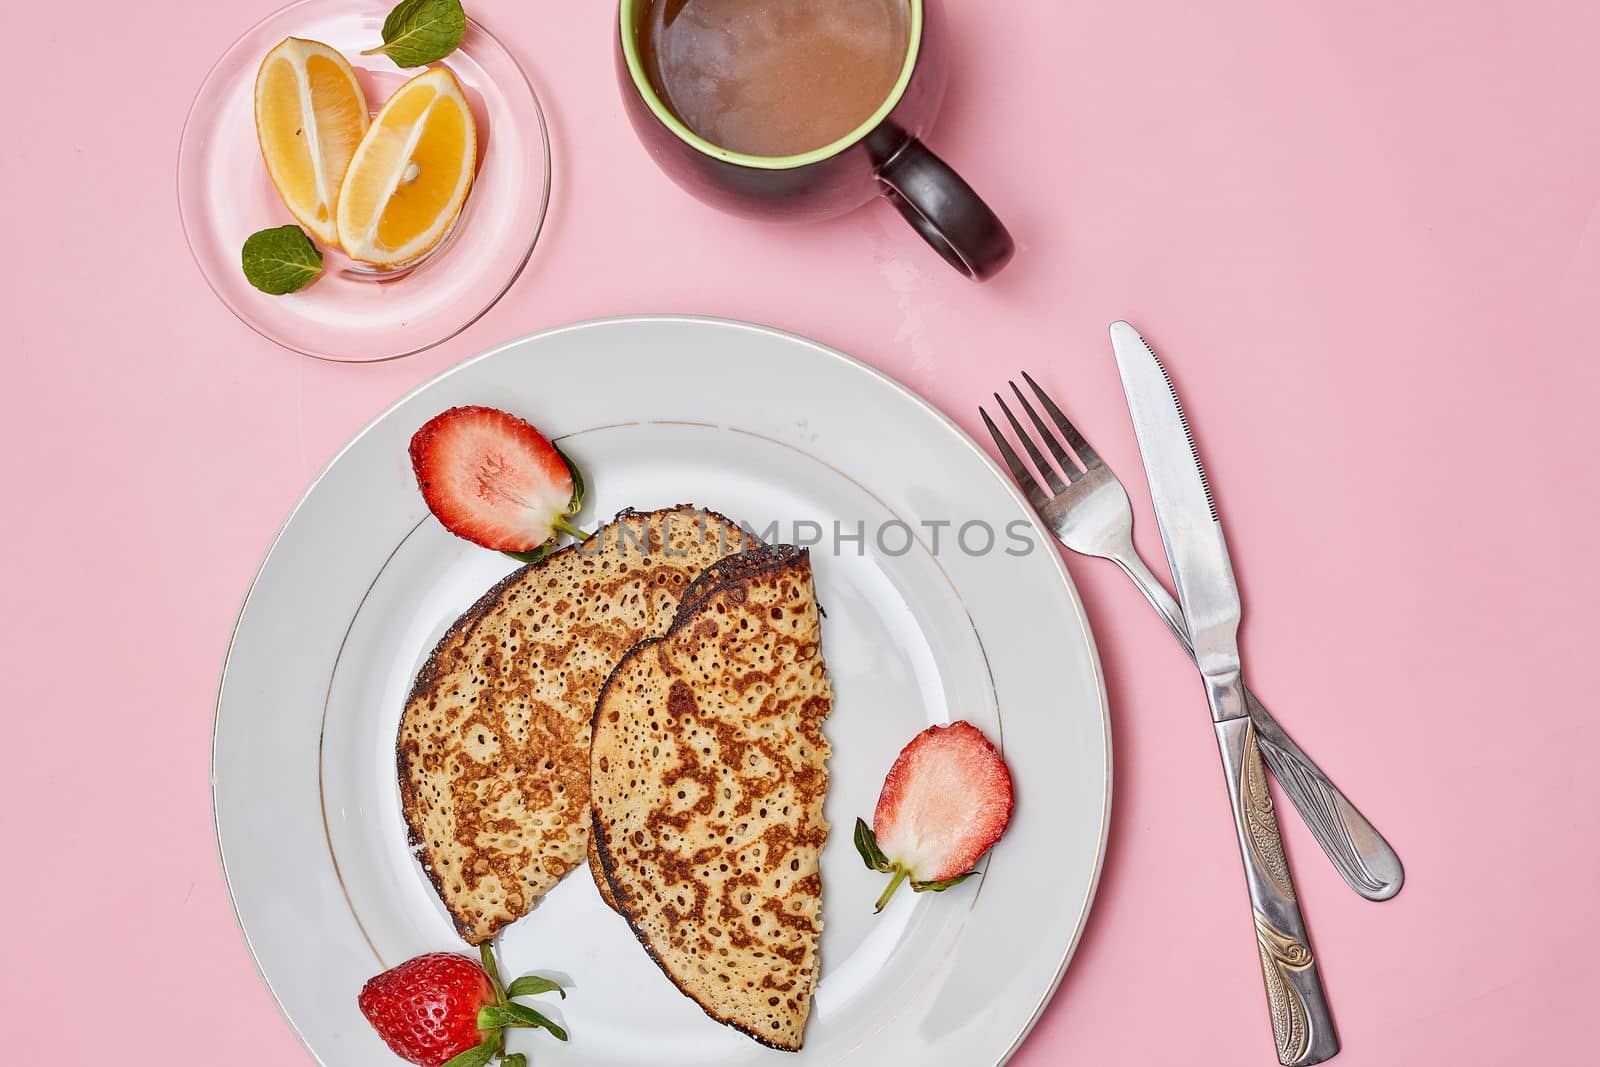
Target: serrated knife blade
[
  {"x": 1191, "y": 530},
  {"x": 1302, "y": 1026}
]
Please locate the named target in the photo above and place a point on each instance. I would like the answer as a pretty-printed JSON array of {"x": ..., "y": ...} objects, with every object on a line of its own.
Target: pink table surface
[{"x": 1364, "y": 233}]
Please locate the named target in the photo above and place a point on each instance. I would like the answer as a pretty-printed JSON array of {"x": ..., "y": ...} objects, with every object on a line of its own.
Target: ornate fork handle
[{"x": 1359, "y": 853}]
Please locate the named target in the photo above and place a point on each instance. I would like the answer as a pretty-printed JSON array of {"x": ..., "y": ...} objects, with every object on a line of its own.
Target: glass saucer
[{"x": 353, "y": 313}]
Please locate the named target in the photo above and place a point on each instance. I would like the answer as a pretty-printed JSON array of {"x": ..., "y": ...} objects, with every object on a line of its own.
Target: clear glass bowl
[{"x": 354, "y": 313}]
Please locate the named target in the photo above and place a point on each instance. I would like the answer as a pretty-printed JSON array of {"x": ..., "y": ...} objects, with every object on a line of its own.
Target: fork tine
[
  {"x": 1040, "y": 464},
  {"x": 1064, "y": 460},
  {"x": 1036, "y": 496},
  {"x": 1090, "y": 457}
]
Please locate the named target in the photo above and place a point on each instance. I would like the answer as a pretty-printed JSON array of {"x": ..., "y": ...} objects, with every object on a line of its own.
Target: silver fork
[{"x": 1089, "y": 512}]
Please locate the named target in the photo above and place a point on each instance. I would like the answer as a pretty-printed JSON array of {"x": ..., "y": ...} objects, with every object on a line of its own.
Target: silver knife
[{"x": 1198, "y": 555}]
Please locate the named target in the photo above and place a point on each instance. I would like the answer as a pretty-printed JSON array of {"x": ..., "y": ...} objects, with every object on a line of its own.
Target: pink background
[{"x": 1365, "y": 235}]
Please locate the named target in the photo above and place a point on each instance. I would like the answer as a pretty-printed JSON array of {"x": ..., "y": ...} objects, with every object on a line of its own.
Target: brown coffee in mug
[
  {"x": 774, "y": 77},
  {"x": 803, "y": 110}
]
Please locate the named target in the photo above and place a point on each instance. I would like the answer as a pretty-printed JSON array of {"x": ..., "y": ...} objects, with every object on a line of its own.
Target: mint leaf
[
  {"x": 280, "y": 260},
  {"x": 531, "y": 985},
  {"x": 867, "y": 845},
  {"x": 419, "y": 32}
]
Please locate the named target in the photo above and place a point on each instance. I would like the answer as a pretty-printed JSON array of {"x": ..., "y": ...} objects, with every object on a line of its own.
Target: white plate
[{"x": 766, "y": 427}]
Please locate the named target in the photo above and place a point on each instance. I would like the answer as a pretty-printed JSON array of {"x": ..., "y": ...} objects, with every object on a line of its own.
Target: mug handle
[{"x": 946, "y": 212}]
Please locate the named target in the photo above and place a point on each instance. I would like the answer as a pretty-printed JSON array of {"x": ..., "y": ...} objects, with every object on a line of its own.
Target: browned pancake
[
  {"x": 708, "y": 776},
  {"x": 493, "y": 752}
]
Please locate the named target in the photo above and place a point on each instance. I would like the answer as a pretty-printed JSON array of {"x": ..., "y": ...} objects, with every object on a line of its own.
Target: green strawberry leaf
[
  {"x": 280, "y": 260},
  {"x": 940, "y": 886},
  {"x": 492, "y": 969},
  {"x": 578, "y": 486},
  {"x": 419, "y": 32},
  {"x": 526, "y": 1016},
  {"x": 537, "y": 554},
  {"x": 516, "y": 1059},
  {"x": 867, "y": 845},
  {"x": 574, "y": 505},
  {"x": 477, "y": 1056},
  {"x": 900, "y": 874},
  {"x": 496, "y": 1016},
  {"x": 531, "y": 985}
]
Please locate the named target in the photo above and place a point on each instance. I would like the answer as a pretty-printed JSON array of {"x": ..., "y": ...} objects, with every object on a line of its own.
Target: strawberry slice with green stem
[
  {"x": 945, "y": 802},
  {"x": 493, "y": 479},
  {"x": 574, "y": 505}
]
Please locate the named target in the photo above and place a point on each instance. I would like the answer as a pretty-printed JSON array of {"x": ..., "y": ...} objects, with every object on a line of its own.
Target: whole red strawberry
[
  {"x": 426, "y": 1009},
  {"x": 945, "y": 802},
  {"x": 447, "y": 1009}
]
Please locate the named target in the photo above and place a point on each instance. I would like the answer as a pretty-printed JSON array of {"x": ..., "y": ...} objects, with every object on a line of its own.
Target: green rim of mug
[{"x": 628, "y": 11}]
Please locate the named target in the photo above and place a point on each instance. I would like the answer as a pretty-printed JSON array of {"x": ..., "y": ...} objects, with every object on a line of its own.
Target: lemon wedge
[
  {"x": 310, "y": 116},
  {"x": 411, "y": 172}
]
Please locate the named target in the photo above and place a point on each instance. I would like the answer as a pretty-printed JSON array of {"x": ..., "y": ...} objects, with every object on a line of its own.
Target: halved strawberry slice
[
  {"x": 946, "y": 801},
  {"x": 493, "y": 479}
]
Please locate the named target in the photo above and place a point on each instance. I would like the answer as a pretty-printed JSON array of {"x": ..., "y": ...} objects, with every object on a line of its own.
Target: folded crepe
[
  {"x": 708, "y": 775},
  {"x": 493, "y": 752}
]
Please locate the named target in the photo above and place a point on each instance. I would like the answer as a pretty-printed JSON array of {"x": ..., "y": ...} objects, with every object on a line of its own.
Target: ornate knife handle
[{"x": 1302, "y": 1027}]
